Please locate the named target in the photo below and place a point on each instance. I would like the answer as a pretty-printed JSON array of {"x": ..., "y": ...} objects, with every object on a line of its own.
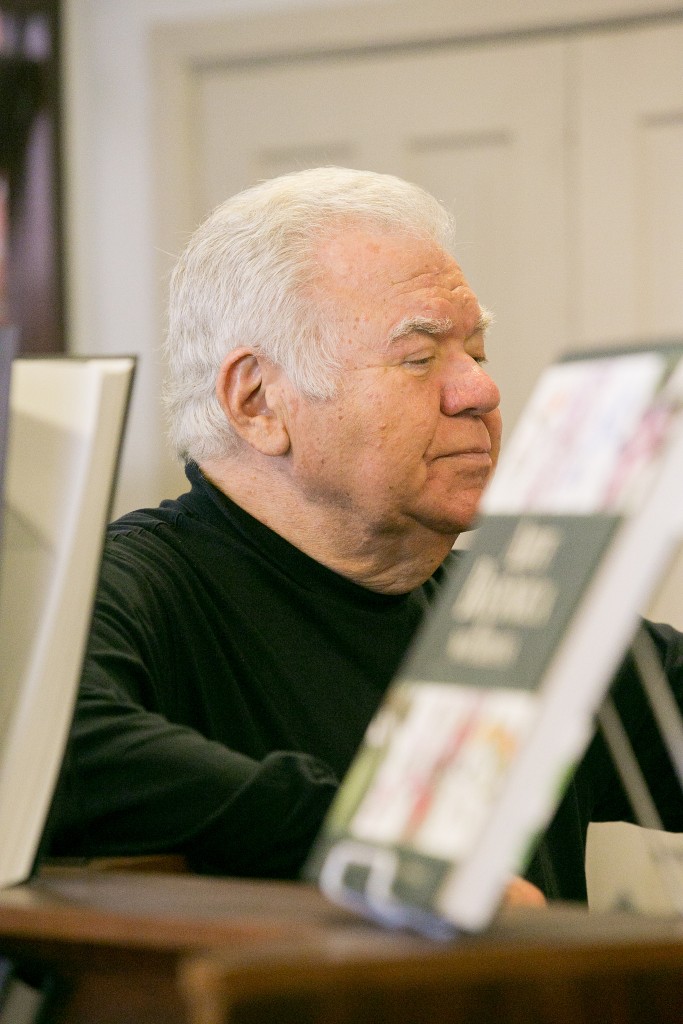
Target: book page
[
  {"x": 442, "y": 765},
  {"x": 589, "y": 427}
]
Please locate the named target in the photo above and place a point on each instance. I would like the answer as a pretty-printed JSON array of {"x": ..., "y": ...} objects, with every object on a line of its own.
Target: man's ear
[{"x": 247, "y": 391}]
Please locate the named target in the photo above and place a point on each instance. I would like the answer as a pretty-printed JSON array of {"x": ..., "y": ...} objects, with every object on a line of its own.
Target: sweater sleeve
[{"x": 137, "y": 782}]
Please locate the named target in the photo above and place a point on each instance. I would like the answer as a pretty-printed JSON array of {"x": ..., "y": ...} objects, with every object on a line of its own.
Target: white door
[
  {"x": 629, "y": 201},
  {"x": 481, "y": 127}
]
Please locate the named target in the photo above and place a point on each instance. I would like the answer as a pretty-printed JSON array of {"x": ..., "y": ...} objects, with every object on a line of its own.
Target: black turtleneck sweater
[{"x": 227, "y": 684}]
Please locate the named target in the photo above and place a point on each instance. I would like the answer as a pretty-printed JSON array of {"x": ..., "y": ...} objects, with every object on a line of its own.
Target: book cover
[
  {"x": 469, "y": 754},
  {"x": 66, "y": 424}
]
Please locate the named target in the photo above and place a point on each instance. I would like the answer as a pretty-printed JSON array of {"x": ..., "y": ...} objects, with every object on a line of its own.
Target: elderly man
[{"x": 329, "y": 395}]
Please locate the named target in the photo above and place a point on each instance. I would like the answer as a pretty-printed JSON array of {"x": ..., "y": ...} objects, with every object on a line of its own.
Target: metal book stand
[{"x": 669, "y": 722}]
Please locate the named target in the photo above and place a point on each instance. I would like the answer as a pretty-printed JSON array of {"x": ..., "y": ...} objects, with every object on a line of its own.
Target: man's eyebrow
[
  {"x": 435, "y": 325},
  {"x": 420, "y": 325}
]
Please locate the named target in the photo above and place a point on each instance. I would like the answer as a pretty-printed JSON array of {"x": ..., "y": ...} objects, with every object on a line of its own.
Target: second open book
[
  {"x": 468, "y": 757},
  {"x": 66, "y": 422}
]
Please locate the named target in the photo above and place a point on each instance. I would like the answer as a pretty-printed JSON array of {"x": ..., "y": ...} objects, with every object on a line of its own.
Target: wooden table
[{"x": 140, "y": 947}]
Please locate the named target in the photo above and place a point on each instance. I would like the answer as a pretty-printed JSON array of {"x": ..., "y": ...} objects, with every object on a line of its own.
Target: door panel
[
  {"x": 629, "y": 202},
  {"x": 630, "y": 184}
]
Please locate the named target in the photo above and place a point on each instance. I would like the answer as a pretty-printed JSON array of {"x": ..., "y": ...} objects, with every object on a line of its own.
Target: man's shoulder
[
  {"x": 146, "y": 520},
  {"x": 180, "y": 540},
  {"x": 152, "y": 542}
]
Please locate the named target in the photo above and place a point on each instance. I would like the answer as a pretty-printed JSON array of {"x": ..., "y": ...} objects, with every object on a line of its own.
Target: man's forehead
[
  {"x": 400, "y": 275},
  {"x": 374, "y": 258}
]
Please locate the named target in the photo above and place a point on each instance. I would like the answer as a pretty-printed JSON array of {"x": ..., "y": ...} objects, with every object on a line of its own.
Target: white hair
[{"x": 248, "y": 277}]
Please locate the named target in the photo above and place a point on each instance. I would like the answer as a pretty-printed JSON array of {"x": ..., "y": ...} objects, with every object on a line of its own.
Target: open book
[
  {"x": 468, "y": 757},
  {"x": 66, "y": 419}
]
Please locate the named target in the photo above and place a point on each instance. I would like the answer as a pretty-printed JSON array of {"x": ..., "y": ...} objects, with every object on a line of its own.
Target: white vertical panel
[
  {"x": 659, "y": 248},
  {"x": 630, "y": 184},
  {"x": 629, "y": 252}
]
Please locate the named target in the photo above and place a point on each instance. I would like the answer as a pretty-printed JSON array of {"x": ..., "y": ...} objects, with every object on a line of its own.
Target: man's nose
[{"x": 469, "y": 389}]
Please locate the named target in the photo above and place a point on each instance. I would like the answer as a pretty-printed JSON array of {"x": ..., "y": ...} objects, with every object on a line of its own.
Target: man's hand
[{"x": 520, "y": 893}]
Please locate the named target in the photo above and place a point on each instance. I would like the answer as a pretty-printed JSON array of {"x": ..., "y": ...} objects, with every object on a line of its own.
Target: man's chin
[{"x": 456, "y": 521}]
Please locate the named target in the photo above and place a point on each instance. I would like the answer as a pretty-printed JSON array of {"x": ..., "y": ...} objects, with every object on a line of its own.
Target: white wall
[{"x": 111, "y": 265}]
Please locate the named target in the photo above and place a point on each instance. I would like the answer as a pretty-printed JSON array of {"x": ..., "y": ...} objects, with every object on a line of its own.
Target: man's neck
[{"x": 388, "y": 563}]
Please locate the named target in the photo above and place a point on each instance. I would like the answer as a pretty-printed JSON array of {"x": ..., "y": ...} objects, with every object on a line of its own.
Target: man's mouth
[{"x": 468, "y": 453}]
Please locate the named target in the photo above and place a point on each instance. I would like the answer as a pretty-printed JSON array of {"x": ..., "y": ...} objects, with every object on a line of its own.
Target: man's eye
[{"x": 418, "y": 361}]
